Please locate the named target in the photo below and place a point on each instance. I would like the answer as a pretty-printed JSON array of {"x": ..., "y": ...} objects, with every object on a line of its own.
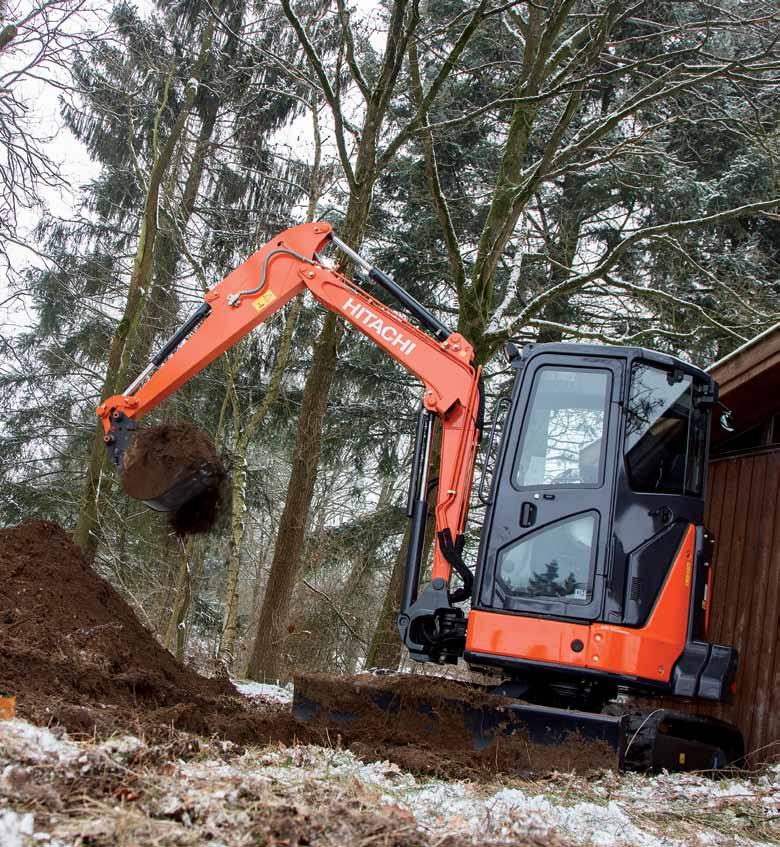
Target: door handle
[{"x": 527, "y": 514}]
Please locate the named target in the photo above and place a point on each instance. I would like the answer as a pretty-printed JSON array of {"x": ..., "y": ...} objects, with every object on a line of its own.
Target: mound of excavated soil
[
  {"x": 161, "y": 457},
  {"x": 74, "y": 654},
  {"x": 67, "y": 639}
]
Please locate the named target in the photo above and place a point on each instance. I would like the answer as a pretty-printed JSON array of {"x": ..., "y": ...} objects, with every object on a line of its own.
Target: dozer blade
[{"x": 452, "y": 718}]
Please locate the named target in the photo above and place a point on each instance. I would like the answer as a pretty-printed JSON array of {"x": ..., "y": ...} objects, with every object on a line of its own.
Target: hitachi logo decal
[{"x": 378, "y": 326}]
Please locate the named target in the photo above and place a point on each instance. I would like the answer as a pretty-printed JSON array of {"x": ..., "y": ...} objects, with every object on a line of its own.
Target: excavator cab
[{"x": 594, "y": 563}]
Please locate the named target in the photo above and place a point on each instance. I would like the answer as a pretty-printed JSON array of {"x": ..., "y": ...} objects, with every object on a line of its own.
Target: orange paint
[
  {"x": 648, "y": 652},
  {"x": 7, "y": 708}
]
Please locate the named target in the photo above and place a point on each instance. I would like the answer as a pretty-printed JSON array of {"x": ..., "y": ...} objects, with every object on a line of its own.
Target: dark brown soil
[
  {"x": 438, "y": 726},
  {"x": 161, "y": 457},
  {"x": 68, "y": 640},
  {"x": 74, "y": 654}
]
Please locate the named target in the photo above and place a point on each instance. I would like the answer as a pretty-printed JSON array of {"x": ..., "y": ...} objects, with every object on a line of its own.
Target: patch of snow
[
  {"x": 440, "y": 807},
  {"x": 609, "y": 811},
  {"x": 511, "y": 812},
  {"x": 27, "y": 743},
  {"x": 16, "y": 830},
  {"x": 124, "y": 745},
  {"x": 263, "y": 691}
]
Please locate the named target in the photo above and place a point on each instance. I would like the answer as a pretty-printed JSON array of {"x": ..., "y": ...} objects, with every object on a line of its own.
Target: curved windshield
[
  {"x": 552, "y": 563},
  {"x": 665, "y": 433}
]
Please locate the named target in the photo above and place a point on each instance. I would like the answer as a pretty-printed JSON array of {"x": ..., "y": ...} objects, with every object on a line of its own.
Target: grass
[{"x": 189, "y": 791}]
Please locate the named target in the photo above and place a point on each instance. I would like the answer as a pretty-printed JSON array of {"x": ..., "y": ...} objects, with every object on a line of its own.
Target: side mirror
[{"x": 510, "y": 352}]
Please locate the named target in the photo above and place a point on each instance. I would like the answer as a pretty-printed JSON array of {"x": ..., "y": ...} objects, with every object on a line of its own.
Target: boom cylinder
[
  {"x": 419, "y": 510},
  {"x": 411, "y": 304}
]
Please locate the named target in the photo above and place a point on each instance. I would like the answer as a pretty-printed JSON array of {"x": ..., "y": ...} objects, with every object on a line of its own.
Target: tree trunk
[
  {"x": 7, "y": 35},
  {"x": 264, "y": 663},
  {"x": 174, "y": 634},
  {"x": 196, "y": 577},
  {"x": 227, "y": 643},
  {"x": 386, "y": 649},
  {"x": 174, "y": 219}
]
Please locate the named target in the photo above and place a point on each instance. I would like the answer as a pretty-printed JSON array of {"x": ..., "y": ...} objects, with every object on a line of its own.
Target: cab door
[{"x": 545, "y": 549}]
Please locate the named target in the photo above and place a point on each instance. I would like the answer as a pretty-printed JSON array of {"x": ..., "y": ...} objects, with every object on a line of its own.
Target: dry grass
[{"x": 188, "y": 791}]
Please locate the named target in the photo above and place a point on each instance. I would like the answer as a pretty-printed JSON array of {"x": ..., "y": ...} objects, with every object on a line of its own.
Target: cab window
[
  {"x": 665, "y": 432},
  {"x": 564, "y": 429},
  {"x": 553, "y": 563}
]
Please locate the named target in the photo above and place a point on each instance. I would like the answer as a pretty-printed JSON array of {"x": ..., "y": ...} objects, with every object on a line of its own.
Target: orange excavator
[{"x": 593, "y": 572}]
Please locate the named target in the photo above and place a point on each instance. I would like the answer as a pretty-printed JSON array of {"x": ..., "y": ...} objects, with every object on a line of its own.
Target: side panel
[{"x": 648, "y": 522}]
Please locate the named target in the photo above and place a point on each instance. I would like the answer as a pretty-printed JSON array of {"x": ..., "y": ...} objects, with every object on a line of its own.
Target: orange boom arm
[{"x": 282, "y": 269}]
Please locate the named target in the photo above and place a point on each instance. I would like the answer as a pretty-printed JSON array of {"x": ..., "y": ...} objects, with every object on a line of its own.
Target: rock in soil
[{"x": 161, "y": 456}]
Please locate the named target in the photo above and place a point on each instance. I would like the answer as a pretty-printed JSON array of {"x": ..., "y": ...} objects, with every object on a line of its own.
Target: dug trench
[{"x": 75, "y": 655}]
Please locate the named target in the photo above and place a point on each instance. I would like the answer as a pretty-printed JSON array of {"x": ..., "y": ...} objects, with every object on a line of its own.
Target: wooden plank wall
[{"x": 743, "y": 512}]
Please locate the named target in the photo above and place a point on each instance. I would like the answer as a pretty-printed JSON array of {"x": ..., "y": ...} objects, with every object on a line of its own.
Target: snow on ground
[
  {"x": 15, "y": 829},
  {"x": 215, "y": 793},
  {"x": 30, "y": 744},
  {"x": 263, "y": 691},
  {"x": 630, "y": 809}
]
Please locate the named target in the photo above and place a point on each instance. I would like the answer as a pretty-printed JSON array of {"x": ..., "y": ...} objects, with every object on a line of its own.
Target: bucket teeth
[{"x": 184, "y": 490}]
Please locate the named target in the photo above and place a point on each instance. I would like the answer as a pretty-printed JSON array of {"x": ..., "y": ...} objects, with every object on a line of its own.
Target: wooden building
[{"x": 743, "y": 512}]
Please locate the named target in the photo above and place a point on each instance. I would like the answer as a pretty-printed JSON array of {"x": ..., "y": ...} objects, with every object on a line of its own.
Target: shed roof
[{"x": 749, "y": 378}]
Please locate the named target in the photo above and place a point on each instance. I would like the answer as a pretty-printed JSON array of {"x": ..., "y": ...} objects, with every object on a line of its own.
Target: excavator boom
[{"x": 282, "y": 269}]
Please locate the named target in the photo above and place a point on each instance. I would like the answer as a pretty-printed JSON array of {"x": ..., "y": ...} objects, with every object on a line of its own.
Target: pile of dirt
[
  {"x": 74, "y": 654},
  {"x": 67, "y": 639},
  {"x": 180, "y": 455}
]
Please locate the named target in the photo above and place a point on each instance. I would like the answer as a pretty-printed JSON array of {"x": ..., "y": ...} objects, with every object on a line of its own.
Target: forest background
[{"x": 531, "y": 171}]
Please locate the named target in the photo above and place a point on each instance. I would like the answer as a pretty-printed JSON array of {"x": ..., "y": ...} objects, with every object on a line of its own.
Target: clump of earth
[{"x": 171, "y": 456}]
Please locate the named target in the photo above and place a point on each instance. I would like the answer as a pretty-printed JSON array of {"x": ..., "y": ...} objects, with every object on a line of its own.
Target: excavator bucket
[
  {"x": 192, "y": 485},
  {"x": 458, "y": 721},
  {"x": 461, "y": 721},
  {"x": 170, "y": 468}
]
